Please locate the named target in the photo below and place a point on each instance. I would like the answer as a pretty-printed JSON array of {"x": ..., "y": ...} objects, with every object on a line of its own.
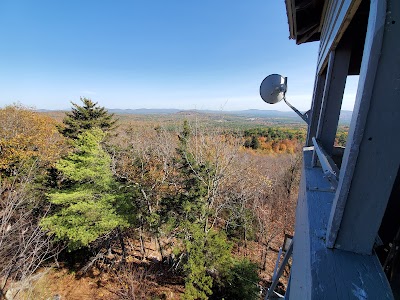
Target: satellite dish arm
[
  {"x": 273, "y": 89},
  {"x": 303, "y": 116}
]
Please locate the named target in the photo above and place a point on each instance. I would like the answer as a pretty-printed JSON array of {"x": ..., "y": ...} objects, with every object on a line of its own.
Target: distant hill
[
  {"x": 144, "y": 111},
  {"x": 345, "y": 117},
  {"x": 289, "y": 116}
]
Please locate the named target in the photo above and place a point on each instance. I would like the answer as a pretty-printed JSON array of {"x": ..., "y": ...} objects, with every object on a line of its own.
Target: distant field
[
  {"x": 237, "y": 120},
  {"x": 241, "y": 123}
]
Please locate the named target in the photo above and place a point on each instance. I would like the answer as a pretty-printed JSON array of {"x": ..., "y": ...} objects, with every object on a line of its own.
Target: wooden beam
[
  {"x": 315, "y": 107},
  {"x": 371, "y": 159},
  {"x": 291, "y": 18},
  {"x": 337, "y": 18},
  {"x": 321, "y": 273},
  {"x": 331, "y": 171},
  {"x": 335, "y": 83}
]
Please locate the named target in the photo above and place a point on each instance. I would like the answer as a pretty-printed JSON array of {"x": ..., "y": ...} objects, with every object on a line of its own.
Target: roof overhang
[{"x": 305, "y": 19}]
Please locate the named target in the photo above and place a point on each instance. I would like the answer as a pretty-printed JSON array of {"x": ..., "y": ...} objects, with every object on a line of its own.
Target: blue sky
[{"x": 209, "y": 54}]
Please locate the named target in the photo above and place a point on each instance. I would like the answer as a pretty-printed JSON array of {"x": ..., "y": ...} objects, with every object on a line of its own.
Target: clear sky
[{"x": 209, "y": 54}]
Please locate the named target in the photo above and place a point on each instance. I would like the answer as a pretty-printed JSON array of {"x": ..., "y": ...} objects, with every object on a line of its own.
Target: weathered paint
[
  {"x": 317, "y": 271},
  {"x": 331, "y": 171},
  {"x": 300, "y": 273},
  {"x": 332, "y": 98},
  {"x": 371, "y": 159},
  {"x": 336, "y": 20},
  {"x": 291, "y": 15},
  {"x": 278, "y": 274},
  {"x": 315, "y": 108}
]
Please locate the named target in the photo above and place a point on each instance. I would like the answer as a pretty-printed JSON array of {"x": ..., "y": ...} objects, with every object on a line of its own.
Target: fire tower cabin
[{"x": 347, "y": 237}]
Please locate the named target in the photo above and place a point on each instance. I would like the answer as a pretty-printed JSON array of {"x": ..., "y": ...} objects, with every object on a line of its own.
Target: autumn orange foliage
[{"x": 27, "y": 135}]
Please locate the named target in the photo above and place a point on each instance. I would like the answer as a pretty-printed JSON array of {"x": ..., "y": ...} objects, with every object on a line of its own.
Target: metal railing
[{"x": 278, "y": 271}]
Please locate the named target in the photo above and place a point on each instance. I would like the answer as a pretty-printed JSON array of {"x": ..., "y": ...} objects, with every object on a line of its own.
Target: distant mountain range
[{"x": 345, "y": 116}]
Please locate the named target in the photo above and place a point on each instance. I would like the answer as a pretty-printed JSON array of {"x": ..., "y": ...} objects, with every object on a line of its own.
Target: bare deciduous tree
[{"x": 23, "y": 245}]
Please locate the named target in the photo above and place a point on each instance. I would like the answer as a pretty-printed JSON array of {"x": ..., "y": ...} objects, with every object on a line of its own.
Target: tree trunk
[
  {"x": 121, "y": 241},
  {"x": 142, "y": 248},
  {"x": 159, "y": 247},
  {"x": 264, "y": 256}
]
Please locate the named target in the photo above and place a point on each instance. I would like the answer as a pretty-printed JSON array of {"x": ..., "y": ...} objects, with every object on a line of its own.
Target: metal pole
[
  {"x": 277, "y": 263},
  {"x": 280, "y": 272},
  {"x": 303, "y": 116}
]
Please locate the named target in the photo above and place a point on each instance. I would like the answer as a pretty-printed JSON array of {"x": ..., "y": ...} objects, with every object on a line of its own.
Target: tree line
[
  {"x": 89, "y": 184},
  {"x": 274, "y": 139}
]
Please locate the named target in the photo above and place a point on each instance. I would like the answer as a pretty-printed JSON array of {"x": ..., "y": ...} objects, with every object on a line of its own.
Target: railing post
[{"x": 278, "y": 275}]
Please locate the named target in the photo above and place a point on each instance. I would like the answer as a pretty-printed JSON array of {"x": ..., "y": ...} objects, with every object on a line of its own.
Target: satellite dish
[{"x": 273, "y": 88}]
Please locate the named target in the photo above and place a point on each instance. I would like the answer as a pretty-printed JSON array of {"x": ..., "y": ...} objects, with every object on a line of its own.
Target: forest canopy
[{"x": 172, "y": 195}]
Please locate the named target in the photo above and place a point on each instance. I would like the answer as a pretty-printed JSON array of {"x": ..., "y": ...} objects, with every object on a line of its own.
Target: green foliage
[
  {"x": 240, "y": 223},
  {"x": 207, "y": 250},
  {"x": 88, "y": 203},
  {"x": 180, "y": 192},
  {"x": 208, "y": 255},
  {"x": 276, "y": 133},
  {"x": 241, "y": 281},
  {"x": 274, "y": 139},
  {"x": 252, "y": 142},
  {"x": 191, "y": 202},
  {"x": 85, "y": 117},
  {"x": 341, "y": 136}
]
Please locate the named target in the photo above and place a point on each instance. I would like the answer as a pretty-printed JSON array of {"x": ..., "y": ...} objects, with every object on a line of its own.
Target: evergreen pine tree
[
  {"x": 255, "y": 143},
  {"x": 240, "y": 281},
  {"x": 193, "y": 201},
  {"x": 207, "y": 250},
  {"x": 88, "y": 201},
  {"x": 85, "y": 117},
  {"x": 208, "y": 253}
]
